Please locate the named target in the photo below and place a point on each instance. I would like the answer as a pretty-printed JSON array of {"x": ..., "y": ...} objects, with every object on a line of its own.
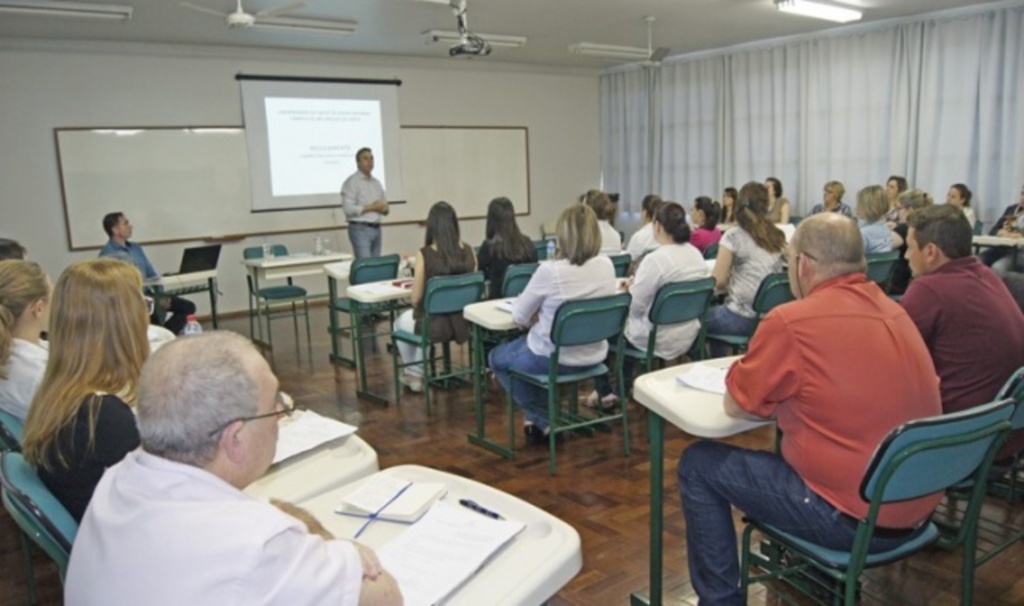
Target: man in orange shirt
[{"x": 838, "y": 369}]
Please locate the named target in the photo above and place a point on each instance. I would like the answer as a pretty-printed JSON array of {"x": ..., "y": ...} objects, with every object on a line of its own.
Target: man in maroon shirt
[{"x": 970, "y": 322}]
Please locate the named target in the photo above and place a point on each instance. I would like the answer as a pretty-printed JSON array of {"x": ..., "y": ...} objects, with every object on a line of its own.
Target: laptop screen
[{"x": 200, "y": 258}]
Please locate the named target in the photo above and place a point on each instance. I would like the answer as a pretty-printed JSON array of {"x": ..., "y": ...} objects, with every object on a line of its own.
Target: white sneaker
[
  {"x": 413, "y": 383},
  {"x": 591, "y": 400}
]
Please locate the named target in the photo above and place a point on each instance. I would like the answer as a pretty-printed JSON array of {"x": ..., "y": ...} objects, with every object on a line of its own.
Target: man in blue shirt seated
[{"x": 119, "y": 229}]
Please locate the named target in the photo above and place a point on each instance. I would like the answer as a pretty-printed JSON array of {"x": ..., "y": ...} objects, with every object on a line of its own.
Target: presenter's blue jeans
[
  {"x": 532, "y": 399},
  {"x": 365, "y": 239},
  {"x": 721, "y": 320},
  {"x": 714, "y": 478}
]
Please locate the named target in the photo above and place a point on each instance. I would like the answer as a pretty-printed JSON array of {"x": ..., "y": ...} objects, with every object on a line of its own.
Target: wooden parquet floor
[{"x": 598, "y": 490}]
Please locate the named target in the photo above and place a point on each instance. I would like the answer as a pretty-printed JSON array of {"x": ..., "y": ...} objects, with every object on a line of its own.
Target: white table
[
  {"x": 317, "y": 471},
  {"x": 698, "y": 413},
  {"x": 486, "y": 316},
  {"x": 985, "y": 241},
  {"x": 182, "y": 284},
  {"x": 534, "y": 566},
  {"x": 374, "y": 296}
]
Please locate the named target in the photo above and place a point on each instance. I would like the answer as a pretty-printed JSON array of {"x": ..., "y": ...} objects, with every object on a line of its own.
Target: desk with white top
[
  {"x": 487, "y": 316},
  {"x": 375, "y": 296},
  {"x": 317, "y": 471},
  {"x": 980, "y": 242},
  {"x": 534, "y": 566},
  {"x": 698, "y": 413},
  {"x": 183, "y": 284}
]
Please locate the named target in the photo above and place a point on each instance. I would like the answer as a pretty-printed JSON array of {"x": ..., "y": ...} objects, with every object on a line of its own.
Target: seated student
[
  {"x": 24, "y": 314},
  {"x": 675, "y": 260},
  {"x": 579, "y": 272},
  {"x": 119, "y": 229},
  {"x": 871, "y": 210},
  {"x": 778, "y": 207},
  {"x": 972, "y": 326},
  {"x": 170, "y": 525},
  {"x": 728, "y": 214},
  {"x": 505, "y": 245},
  {"x": 1009, "y": 225},
  {"x": 10, "y": 249},
  {"x": 642, "y": 242},
  {"x": 747, "y": 253},
  {"x": 443, "y": 254},
  {"x": 605, "y": 211},
  {"x": 910, "y": 200},
  {"x": 894, "y": 186},
  {"x": 705, "y": 214},
  {"x": 832, "y": 200},
  {"x": 960, "y": 195},
  {"x": 80, "y": 422}
]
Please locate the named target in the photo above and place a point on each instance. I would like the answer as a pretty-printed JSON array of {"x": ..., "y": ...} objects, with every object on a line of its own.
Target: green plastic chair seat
[
  {"x": 832, "y": 558},
  {"x": 282, "y": 292},
  {"x": 773, "y": 291},
  {"x": 573, "y": 377}
]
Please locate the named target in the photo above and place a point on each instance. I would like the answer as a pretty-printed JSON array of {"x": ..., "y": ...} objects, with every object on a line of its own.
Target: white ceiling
[{"x": 393, "y": 27}]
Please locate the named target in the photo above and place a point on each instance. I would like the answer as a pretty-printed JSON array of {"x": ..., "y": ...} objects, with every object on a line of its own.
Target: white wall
[{"x": 50, "y": 85}]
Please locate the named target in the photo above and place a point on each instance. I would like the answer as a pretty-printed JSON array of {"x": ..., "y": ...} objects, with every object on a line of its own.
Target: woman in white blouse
[
  {"x": 579, "y": 271},
  {"x": 605, "y": 211},
  {"x": 674, "y": 260},
  {"x": 24, "y": 313}
]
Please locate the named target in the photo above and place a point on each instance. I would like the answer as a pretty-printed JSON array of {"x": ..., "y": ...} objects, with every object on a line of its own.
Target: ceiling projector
[{"x": 472, "y": 48}]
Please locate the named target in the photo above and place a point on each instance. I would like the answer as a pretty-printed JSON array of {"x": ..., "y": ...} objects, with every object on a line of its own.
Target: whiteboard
[{"x": 178, "y": 184}]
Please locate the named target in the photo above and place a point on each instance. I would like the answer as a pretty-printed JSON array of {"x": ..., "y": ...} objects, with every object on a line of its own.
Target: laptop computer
[{"x": 199, "y": 258}]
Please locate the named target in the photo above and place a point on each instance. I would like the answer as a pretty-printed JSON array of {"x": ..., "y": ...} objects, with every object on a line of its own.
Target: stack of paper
[
  {"x": 307, "y": 431},
  {"x": 436, "y": 555},
  {"x": 506, "y": 304},
  {"x": 704, "y": 377},
  {"x": 392, "y": 500}
]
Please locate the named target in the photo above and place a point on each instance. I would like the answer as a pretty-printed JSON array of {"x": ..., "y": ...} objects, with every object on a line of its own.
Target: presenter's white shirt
[
  {"x": 356, "y": 192},
  {"x": 162, "y": 533},
  {"x": 554, "y": 283},
  {"x": 665, "y": 264},
  {"x": 641, "y": 242},
  {"x": 24, "y": 370}
]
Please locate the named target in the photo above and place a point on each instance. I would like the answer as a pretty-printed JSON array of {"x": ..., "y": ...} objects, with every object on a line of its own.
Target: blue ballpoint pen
[{"x": 470, "y": 504}]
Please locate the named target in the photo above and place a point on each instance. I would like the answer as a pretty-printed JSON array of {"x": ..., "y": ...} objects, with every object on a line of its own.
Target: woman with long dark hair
[
  {"x": 747, "y": 253},
  {"x": 443, "y": 254},
  {"x": 504, "y": 244}
]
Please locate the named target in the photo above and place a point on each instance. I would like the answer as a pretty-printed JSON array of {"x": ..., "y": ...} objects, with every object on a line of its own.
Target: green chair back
[
  {"x": 881, "y": 266},
  {"x": 773, "y": 291},
  {"x": 450, "y": 294},
  {"x": 516, "y": 278},
  {"x": 621, "y": 263},
  {"x": 1014, "y": 389},
  {"x": 678, "y": 302},
  {"x": 711, "y": 252},
  {"x": 36, "y": 511},
  {"x": 374, "y": 269},
  {"x": 256, "y": 252},
  {"x": 979, "y": 228},
  {"x": 589, "y": 320},
  {"x": 11, "y": 432},
  {"x": 795, "y": 219},
  {"x": 541, "y": 248}
]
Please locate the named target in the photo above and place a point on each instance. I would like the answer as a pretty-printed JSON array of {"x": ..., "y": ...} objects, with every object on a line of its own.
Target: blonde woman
[
  {"x": 24, "y": 314},
  {"x": 871, "y": 210},
  {"x": 578, "y": 272},
  {"x": 832, "y": 200},
  {"x": 80, "y": 421}
]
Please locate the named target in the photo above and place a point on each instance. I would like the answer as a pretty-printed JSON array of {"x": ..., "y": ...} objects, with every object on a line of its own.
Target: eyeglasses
[
  {"x": 283, "y": 406},
  {"x": 150, "y": 304}
]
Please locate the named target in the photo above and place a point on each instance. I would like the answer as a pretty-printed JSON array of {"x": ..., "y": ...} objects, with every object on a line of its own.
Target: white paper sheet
[
  {"x": 506, "y": 304},
  {"x": 306, "y": 432},
  {"x": 437, "y": 554},
  {"x": 704, "y": 377}
]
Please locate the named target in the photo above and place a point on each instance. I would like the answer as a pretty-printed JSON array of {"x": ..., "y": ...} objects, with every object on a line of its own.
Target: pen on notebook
[{"x": 470, "y": 504}]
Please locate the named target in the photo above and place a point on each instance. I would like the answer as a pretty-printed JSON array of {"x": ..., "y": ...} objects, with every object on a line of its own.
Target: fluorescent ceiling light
[
  {"x": 435, "y": 35},
  {"x": 818, "y": 10},
  {"x": 306, "y": 25},
  {"x": 77, "y": 10},
  {"x": 610, "y": 50}
]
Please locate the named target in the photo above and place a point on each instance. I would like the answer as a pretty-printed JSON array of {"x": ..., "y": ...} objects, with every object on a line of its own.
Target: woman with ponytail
[
  {"x": 746, "y": 254},
  {"x": 24, "y": 314}
]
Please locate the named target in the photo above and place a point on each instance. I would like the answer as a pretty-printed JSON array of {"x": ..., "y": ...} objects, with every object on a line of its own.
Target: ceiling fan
[
  {"x": 650, "y": 56},
  {"x": 241, "y": 19}
]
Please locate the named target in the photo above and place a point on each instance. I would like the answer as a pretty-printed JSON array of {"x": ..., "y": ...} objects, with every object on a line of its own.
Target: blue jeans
[
  {"x": 365, "y": 239},
  {"x": 532, "y": 399},
  {"x": 720, "y": 320},
  {"x": 713, "y": 478}
]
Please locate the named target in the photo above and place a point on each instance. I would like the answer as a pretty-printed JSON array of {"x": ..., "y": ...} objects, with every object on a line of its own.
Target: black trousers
[{"x": 178, "y": 310}]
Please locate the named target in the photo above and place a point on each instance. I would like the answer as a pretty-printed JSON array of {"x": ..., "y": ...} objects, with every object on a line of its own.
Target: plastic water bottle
[
  {"x": 192, "y": 327},
  {"x": 318, "y": 245},
  {"x": 551, "y": 249},
  {"x": 268, "y": 250}
]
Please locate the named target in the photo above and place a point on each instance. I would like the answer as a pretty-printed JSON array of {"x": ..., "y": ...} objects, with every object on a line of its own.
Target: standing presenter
[{"x": 362, "y": 199}]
